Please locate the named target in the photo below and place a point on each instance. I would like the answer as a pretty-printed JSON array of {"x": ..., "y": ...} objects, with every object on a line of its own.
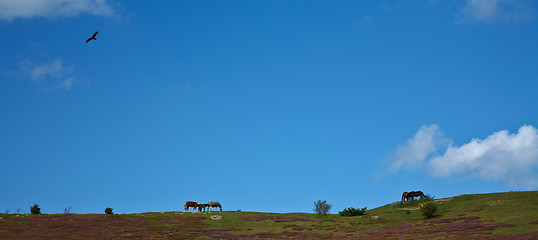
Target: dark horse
[
  {"x": 190, "y": 204},
  {"x": 202, "y": 206},
  {"x": 412, "y": 195},
  {"x": 214, "y": 204}
]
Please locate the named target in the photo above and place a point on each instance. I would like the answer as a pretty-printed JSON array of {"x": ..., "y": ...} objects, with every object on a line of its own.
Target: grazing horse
[
  {"x": 190, "y": 204},
  {"x": 215, "y": 205},
  {"x": 405, "y": 196},
  {"x": 202, "y": 206},
  {"x": 411, "y": 195},
  {"x": 414, "y": 194}
]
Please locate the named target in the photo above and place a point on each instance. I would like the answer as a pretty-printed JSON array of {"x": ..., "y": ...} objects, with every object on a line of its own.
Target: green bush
[
  {"x": 350, "y": 212},
  {"x": 321, "y": 207},
  {"x": 427, "y": 198},
  {"x": 429, "y": 209},
  {"x": 108, "y": 210},
  {"x": 35, "y": 209}
]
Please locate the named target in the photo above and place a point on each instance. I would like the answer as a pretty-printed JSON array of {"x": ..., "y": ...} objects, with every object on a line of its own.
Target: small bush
[
  {"x": 321, "y": 207},
  {"x": 35, "y": 209},
  {"x": 427, "y": 198},
  {"x": 429, "y": 209},
  {"x": 350, "y": 212},
  {"x": 108, "y": 210}
]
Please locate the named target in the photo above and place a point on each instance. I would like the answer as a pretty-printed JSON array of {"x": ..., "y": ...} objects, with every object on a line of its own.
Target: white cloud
[
  {"x": 415, "y": 151},
  {"x": 511, "y": 158},
  {"x": 500, "y": 157},
  {"x": 54, "y": 75},
  {"x": 495, "y": 10},
  {"x": 11, "y": 9}
]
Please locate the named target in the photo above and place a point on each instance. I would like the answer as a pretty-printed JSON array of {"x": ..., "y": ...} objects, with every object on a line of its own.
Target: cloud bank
[
  {"x": 495, "y": 10},
  {"x": 51, "y": 76},
  {"x": 11, "y": 9},
  {"x": 502, "y": 156}
]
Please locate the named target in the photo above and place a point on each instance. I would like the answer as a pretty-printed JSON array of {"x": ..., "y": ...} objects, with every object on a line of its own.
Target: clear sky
[{"x": 264, "y": 105}]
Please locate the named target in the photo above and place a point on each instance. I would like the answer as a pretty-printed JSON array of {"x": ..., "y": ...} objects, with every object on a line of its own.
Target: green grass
[{"x": 509, "y": 215}]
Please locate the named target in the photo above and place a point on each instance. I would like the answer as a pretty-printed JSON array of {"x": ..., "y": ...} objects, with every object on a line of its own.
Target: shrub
[
  {"x": 35, "y": 209},
  {"x": 321, "y": 207},
  {"x": 429, "y": 209},
  {"x": 108, "y": 210},
  {"x": 350, "y": 212},
  {"x": 427, "y": 198}
]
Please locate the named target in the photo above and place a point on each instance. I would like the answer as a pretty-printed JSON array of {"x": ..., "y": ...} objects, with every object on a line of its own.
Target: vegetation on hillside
[
  {"x": 322, "y": 207},
  {"x": 350, "y": 212},
  {"x": 494, "y": 216}
]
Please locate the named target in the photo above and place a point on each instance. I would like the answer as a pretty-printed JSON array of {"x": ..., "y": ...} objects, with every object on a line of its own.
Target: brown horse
[
  {"x": 190, "y": 204},
  {"x": 202, "y": 206},
  {"x": 405, "y": 196}
]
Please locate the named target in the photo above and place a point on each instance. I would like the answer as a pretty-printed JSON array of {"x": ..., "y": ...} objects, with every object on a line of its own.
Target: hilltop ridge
[{"x": 493, "y": 216}]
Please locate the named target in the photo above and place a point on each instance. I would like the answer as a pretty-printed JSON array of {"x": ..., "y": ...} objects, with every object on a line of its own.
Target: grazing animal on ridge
[
  {"x": 404, "y": 196},
  {"x": 214, "y": 204},
  {"x": 413, "y": 194},
  {"x": 202, "y": 206},
  {"x": 190, "y": 204}
]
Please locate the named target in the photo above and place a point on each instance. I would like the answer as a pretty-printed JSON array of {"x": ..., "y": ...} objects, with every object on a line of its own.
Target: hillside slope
[{"x": 510, "y": 215}]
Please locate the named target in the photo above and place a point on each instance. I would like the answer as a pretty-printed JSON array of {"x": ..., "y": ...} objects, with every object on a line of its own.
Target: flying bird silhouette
[{"x": 92, "y": 38}]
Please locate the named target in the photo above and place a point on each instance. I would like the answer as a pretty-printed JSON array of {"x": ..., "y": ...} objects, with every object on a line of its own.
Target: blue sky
[{"x": 264, "y": 105}]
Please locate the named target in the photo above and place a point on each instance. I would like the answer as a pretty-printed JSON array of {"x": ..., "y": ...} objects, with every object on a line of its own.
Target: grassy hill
[{"x": 512, "y": 215}]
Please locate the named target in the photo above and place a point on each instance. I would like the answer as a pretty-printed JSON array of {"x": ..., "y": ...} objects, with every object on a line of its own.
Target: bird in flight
[{"x": 92, "y": 38}]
